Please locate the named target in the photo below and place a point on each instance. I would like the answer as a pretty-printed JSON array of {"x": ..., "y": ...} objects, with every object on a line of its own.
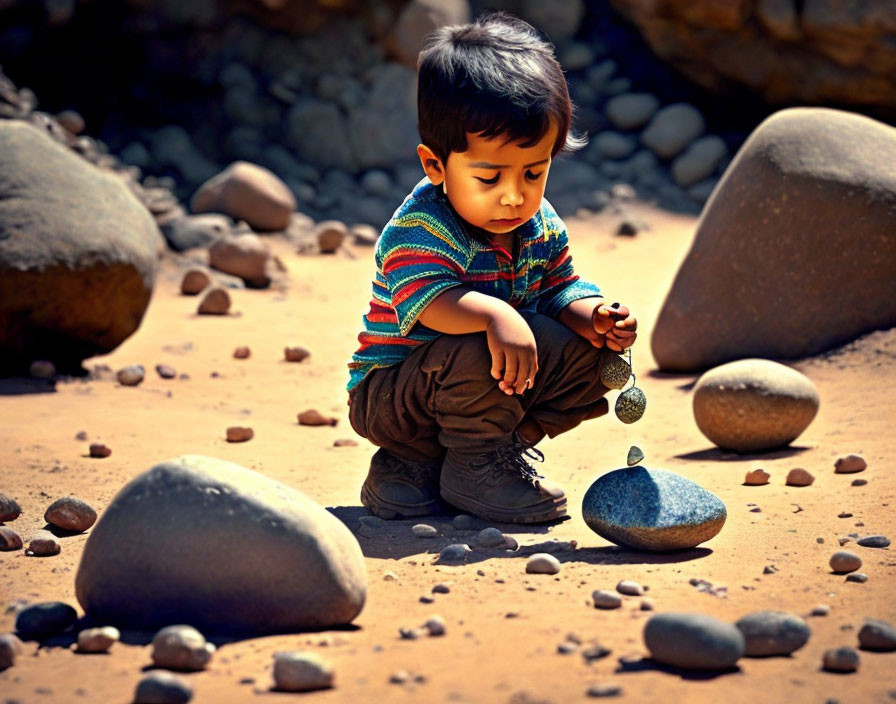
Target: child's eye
[
  {"x": 490, "y": 181},
  {"x": 533, "y": 176}
]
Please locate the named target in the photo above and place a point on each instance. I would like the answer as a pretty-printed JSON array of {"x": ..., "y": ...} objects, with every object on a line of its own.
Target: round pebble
[
  {"x": 462, "y": 522},
  {"x": 455, "y": 551},
  {"x": 820, "y": 610},
  {"x": 424, "y": 530},
  {"x": 9, "y": 539},
  {"x": 604, "y": 599},
  {"x": 490, "y": 538},
  {"x": 542, "y": 563},
  {"x": 390, "y": 576},
  {"x": 42, "y": 369},
  {"x": 799, "y": 477},
  {"x": 693, "y": 641},
  {"x": 630, "y": 405},
  {"x": 43, "y": 620},
  {"x": 772, "y": 633},
  {"x": 9, "y": 509},
  {"x": 162, "y": 688},
  {"x": 70, "y": 513},
  {"x": 98, "y": 640},
  {"x": 877, "y": 635},
  {"x": 441, "y": 588},
  {"x": 181, "y": 647},
  {"x": 843, "y": 659},
  {"x": 635, "y": 456},
  {"x": 130, "y": 375},
  {"x": 10, "y": 648},
  {"x": 301, "y": 672},
  {"x": 215, "y": 302},
  {"x": 399, "y": 677},
  {"x": 756, "y": 477},
  {"x": 99, "y": 450},
  {"x": 849, "y": 464},
  {"x": 314, "y": 417},
  {"x": 242, "y": 352},
  {"x": 647, "y": 605},
  {"x": 237, "y": 433},
  {"x": 345, "y": 442},
  {"x": 435, "y": 625},
  {"x": 296, "y": 354},
  {"x": 194, "y": 281},
  {"x": 43, "y": 543},
  {"x": 844, "y": 561},
  {"x": 166, "y": 371},
  {"x": 859, "y": 577},
  {"x": 874, "y": 541},
  {"x": 629, "y": 588},
  {"x": 614, "y": 371},
  {"x": 859, "y": 482},
  {"x": 599, "y": 691}
]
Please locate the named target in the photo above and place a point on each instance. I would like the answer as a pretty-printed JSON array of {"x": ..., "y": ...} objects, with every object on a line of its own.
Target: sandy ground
[{"x": 503, "y": 626}]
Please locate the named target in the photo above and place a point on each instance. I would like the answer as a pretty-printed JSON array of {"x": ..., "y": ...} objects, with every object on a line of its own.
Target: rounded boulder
[
  {"x": 203, "y": 541},
  {"x": 652, "y": 509},
  {"x": 693, "y": 641},
  {"x": 773, "y": 633},
  {"x": 753, "y": 405}
]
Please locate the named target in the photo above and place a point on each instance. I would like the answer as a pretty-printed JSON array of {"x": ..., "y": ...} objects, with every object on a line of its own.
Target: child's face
[{"x": 495, "y": 185}]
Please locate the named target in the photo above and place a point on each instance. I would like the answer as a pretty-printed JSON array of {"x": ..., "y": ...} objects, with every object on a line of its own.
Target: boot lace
[{"x": 512, "y": 457}]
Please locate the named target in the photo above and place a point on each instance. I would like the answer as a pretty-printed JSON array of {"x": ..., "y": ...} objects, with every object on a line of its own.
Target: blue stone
[{"x": 652, "y": 509}]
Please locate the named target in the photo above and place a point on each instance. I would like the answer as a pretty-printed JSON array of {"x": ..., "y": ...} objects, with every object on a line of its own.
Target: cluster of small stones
[
  {"x": 67, "y": 515},
  {"x": 846, "y": 464}
]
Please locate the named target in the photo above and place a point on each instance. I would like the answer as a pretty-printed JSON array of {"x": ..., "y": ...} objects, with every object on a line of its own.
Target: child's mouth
[{"x": 508, "y": 221}]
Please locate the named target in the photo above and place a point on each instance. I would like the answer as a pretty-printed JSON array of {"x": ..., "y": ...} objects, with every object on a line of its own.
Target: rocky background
[{"x": 321, "y": 92}]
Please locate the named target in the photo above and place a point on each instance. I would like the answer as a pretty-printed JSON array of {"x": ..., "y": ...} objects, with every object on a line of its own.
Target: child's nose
[{"x": 512, "y": 196}]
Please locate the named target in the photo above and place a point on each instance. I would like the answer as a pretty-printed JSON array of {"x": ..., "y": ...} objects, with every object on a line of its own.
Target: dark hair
[{"x": 493, "y": 77}]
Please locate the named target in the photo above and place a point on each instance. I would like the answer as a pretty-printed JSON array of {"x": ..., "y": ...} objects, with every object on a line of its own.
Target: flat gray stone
[
  {"x": 652, "y": 509},
  {"x": 772, "y": 633},
  {"x": 877, "y": 635},
  {"x": 693, "y": 641},
  {"x": 874, "y": 541},
  {"x": 301, "y": 672},
  {"x": 202, "y": 541},
  {"x": 162, "y": 688}
]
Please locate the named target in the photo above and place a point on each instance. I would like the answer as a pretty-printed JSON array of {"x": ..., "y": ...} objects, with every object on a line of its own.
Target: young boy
[{"x": 480, "y": 338}]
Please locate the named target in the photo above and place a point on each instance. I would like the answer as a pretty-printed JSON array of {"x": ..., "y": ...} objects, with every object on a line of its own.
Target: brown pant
[{"x": 443, "y": 394}]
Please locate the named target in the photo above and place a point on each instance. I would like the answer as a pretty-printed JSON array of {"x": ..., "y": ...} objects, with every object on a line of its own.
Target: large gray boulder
[
  {"x": 795, "y": 252},
  {"x": 78, "y": 254},
  {"x": 202, "y": 541}
]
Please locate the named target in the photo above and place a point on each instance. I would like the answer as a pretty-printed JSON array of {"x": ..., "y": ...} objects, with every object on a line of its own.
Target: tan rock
[
  {"x": 799, "y": 477},
  {"x": 296, "y": 354},
  {"x": 756, "y": 477},
  {"x": 247, "y": 192},
  {"x": 314, "y": 417},
  {"x": 330, "y": 234},
  {"x": 238, "y": 433},
  {"x": 242, "y": 352},
  {"x": 849, "y": 464},
  {"x": 195, "y": 281},
  {"x": 44, "y": 543},
  {"x": 244, "y": 255},
  {"x": 9, "y": 539},
  {"x": 215, "y": 302}
]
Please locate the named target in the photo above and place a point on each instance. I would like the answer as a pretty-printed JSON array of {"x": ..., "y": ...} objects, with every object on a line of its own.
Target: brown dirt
[{"x": 503, "y": 626}]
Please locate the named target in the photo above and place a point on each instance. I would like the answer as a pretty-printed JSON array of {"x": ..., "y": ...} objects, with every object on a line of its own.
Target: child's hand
[
  {"x": 615, "y": 326},
  {"x": 514, "y": 355}
]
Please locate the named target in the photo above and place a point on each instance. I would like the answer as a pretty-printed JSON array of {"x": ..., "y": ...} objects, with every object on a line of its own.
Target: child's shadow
[{"x": 396, "y": 539}]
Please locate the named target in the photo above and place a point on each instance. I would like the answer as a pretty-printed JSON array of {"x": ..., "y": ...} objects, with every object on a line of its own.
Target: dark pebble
[
  {"x": 43, "y": 620},
  {"x": 859, "y": 577},
  {"x": 877, "y": 635},
  {"x": 874, "y": 541},
  {"x": 772, "y": 633},
  {"x": 9, "y": 509},
  {"x": 162, "y": 688},
  {"x": 843, "y": 659}
]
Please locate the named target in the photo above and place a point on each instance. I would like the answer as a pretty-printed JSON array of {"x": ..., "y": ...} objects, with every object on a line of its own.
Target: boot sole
[
  {"x": 388, "y": 511},
  {"x": 544, "y": 512}
]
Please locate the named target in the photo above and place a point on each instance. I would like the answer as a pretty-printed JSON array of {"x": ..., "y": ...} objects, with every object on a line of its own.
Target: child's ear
[{"x": 432, "y": 165}]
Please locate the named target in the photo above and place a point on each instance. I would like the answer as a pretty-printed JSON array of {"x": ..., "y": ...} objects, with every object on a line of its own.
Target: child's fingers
[{"x": 511, "y": 367}]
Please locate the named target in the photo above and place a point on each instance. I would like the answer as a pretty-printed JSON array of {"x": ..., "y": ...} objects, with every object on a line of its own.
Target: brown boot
[
  {"x": 398, "y": 488},
  {"x": 500, "y": 485}
]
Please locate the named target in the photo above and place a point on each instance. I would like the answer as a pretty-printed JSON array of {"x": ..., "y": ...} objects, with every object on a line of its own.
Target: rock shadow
[
  {"x": 22, "y": 386},
  {"x": 689, "y": 379},
  {"x": 646, "y": 664},
  {"x": 719, "y": 455}
]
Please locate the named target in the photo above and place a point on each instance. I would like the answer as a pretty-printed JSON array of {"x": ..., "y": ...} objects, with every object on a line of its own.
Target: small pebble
[
  {"x": 820, "y": 610},
  {"x": 567, "y": 647},
  {"x": 844, "y": 561},
  {"x": 216, "y": 301},
  {"x": 772, "y": 633},
  {"x": 9, "y": 539},
  {"x": 435, "y": 625},
  {"x": 345, "y": 442},
  {"x": 130, "y": 375},
  {"x": 604, "y": 599},
  {"x": 844, "y": 514},
  {"x": 390, "y": 577},
  {"x": 99, "y": 450},
  {"x": 160, "y": 687},
  {"x": 166, "y": 371},
  {"x": 399, "y": 677},
  {"x": 70, "y": 513},
  {"x": 647, "y": 605},
  {"x": 424, "y": 530},
  {"x": 510, "y": 543},
  {"x": 542, "y": 563},
  {"x": 10, "y": 648},
  {"x": 301, "y": 672},
  {"x": 81, "y": 435},
  {"x": 43, "y": 543},
  {"x": 820, "y": 541},
  {"x": 859, "y": 577},
  {"x": 315, "y": 417},
  {"x": 849, "y": 464},
  {"x": 412, "y": 633},
  {"x": 455, "y": 551},
  {"x": 490, "y": 538},
  {"x": 43, "y": 620},
  {"x": 441, "y": 588},
  {"x": 98, "y": 640},
  {"x": 194, "y": 281},
  {"x": 242, "y": 352},
  {"x": 769, "y": 569},
  {"x": 427, "y": 599},
  {"x": 603, "y": 690},
  {"x": 629, "y": 588},
  {"x": 462, "y": 522},
  {"x": 635, "y": 456},
  {"x": 595, "y": 651},
  {"x": 859, "y": 482},
  {"x": 296, "y": 354},
  {"x": 181, "y": 647},
  {"x": 874, "y": 541},
  {"x": 236, "y": 433},
  {"x": 9, "y": 509},
  {"x": 756, "y": 477},
  {"x": 42, "y": 369},
  {"x": 843, "y": 659},
  {"x": 799, "y": 477},
  {"x": 374, "y": 522},
  {"x": 877, "y": 635}
]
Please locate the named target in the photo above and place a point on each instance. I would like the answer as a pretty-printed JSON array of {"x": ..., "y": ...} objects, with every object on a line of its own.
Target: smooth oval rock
[
  {"x": 849, "y": 464},
  {"x": 693, "y": 641},
  {"x": 298, "y": 566},
  {"x": 99, "y": 450},
  {"x": 181, "y": 647},
  {"x": 296, "y": 354},
  {"x": 162, "y": 687},
  {"x": 9, "y": 539},
  {"x": 843, "y": 659},
  {"x": 216, "y": 301},
  {"x": 772, "y": 633},
  {"x": 877, "y": 635},
  {"x": 195, "y": 281},
  {"x": 97, "y": 640},
  {"x": 249, "y": 192},
  {"x": 131, "y": 375},
  {"x": 70, "y": 513},
  {"x": 844, "y": 561},
  {"x": 490, "y": 538},
  {"x": 799, "y": 477},
  {"x": 753, "y": 404},
  {"x": 614, "y": 370},
  {"x": 10, "y": 648},
  {"x": 244, "y": 255},
  {"x": 43, "y": 620},
  {"x": 43, "y": 543},
  {"x": 756, "y": 477},
  {"x": 603, "y": 599},
  {"x": 455, "y": 551},
  {"x": 9, "y": 509},
  {"x": 629, "y": 588},
  {"x": 652, "y": 509},
  {"x": 874, "y": 541},
  {"x": 302, "y": 672},
  {"x": 630, "y": 405},
  {"x": 239, "y": 433},
  {"x": 424, "y": 530},
  {"x": 542, "y": 563}
]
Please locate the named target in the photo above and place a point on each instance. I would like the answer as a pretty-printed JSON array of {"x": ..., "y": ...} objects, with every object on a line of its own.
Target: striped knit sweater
[{"x": 426, "y": 249}]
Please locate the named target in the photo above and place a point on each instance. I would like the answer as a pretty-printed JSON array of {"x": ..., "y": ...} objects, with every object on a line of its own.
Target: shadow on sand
[{"x": 715, "y": 454}]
